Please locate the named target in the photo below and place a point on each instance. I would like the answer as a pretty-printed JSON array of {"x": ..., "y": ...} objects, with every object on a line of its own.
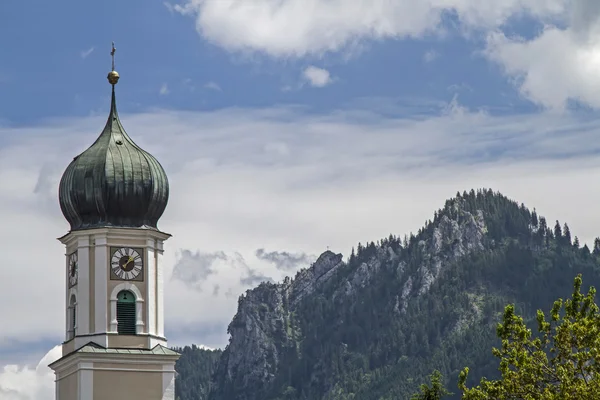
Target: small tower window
[
  {"x": 72, "y": 318},
  {"x": 126, "y": 313}
]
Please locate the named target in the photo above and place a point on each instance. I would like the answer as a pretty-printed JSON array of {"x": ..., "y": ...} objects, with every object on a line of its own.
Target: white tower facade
[
  {"x": 115, "y": 347},
  {"x": 94, "y": 277}
]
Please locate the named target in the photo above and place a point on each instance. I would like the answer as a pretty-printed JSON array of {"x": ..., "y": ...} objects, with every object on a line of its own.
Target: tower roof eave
[{"x": 154, "y": 233}]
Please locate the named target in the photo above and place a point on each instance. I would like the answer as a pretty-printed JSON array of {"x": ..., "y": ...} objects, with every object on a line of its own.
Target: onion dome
[{"x": 114, "y": 183}]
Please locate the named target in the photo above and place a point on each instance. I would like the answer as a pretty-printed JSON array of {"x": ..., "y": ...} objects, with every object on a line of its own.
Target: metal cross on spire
[
  {"x": 112, "y": 53},
  {"x": 113, "y": 76}
]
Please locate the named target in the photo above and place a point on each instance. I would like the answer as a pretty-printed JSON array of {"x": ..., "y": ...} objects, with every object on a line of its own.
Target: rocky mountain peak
[
  {"x": 373, "y": 326},
  {"x": 453, "y": 236},
  {"x": 310, "y": 279},
  {"x": 266, "y": 329},
  {"x": 262, "y": 329}
]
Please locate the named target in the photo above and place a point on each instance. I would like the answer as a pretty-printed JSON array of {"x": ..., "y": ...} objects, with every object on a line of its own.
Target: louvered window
[{"x": 126, "y": 313}]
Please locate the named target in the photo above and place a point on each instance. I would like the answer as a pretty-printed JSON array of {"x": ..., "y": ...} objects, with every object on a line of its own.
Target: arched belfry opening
[{"x": 126, "y": 313}]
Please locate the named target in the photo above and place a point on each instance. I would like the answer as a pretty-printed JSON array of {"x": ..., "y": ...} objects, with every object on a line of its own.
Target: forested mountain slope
[
  {"x": 374, "y": 326},
  {"x": 194, "y": 369}
]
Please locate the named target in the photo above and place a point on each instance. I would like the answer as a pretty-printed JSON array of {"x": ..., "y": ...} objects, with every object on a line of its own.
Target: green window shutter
[{"x": 126, "y": 313}]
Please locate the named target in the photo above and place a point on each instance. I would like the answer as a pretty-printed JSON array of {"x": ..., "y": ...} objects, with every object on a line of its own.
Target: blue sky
[
  {"x": 56, "y": 56},
  {"x": 285, "y": 128}
]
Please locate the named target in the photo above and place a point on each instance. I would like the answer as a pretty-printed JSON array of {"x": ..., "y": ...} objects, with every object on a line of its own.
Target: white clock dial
[
  {"x": 73, "y": 269},
  {"x": 126, "y": 263}
]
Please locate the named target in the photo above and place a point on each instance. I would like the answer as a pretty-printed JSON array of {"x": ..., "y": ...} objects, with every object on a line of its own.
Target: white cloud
[
  {"x": 26, "y": 383},
  {"x": 283, "y": 180},
  {"x": 558, "y": 65},
  {"x": 84, "y": 54},
  {"x": 297, "y": 28},
  {"x": 164, "y": 89},
  {"x": 213, "y": 86},
  {"x": 317, "y": 77}
]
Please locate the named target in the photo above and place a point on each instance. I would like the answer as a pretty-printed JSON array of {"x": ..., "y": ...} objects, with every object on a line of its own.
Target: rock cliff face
[
  {"x": 309, "y": 280},
  {"x": 265, "y": 332},
  {"x": 451, "y": 239}
]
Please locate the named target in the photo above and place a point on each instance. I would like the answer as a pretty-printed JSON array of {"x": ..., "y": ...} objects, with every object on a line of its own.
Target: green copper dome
[{"x": 114, "y": 182}]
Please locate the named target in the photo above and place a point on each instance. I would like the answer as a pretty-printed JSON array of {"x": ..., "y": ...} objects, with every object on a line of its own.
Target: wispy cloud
[
  {"x": 173, "y": 8},
  {"x": 459, "y": 87},
  {"x": 188, "y": 84},
  {"x": 84, "y": 54},
  {"x": 284, "y": 260},
  {"x": 164, "y": 89},
  {"x": 170, "y": 7},
  {"x": 254, "y": 277},
  {"x": 194, "y": 268},
  {"x": 430, "y": 55},
  {"x": 213, "y": 86}
]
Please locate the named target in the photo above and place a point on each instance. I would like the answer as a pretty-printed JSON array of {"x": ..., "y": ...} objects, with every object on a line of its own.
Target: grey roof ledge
[
  {"x": 156, "y": 350},
  {"x": 96, "y": 349}
]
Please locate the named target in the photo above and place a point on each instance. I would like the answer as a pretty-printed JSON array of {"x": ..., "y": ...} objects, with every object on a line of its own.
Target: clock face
[
  {"x": 126, "y": 263},
  {"x": 73, "y": 269}
]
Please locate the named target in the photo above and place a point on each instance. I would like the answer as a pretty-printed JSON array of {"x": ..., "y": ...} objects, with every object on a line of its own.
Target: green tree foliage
[
  {"x": 194, "y": 369},
  {"x": 558, "y": 363},
  {"x": 597, "y": 246},
  {"x": 557, "y": 230},
  {"x": 567, "y": 234},
  {"x": 434, "y": 392}
]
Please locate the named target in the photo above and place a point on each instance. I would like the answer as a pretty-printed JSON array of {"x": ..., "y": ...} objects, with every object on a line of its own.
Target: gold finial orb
[{"x": 113, "y": 77}]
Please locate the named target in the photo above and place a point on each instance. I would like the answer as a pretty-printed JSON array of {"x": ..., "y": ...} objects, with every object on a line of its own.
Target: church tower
[{"x": 113, "y": 195}]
